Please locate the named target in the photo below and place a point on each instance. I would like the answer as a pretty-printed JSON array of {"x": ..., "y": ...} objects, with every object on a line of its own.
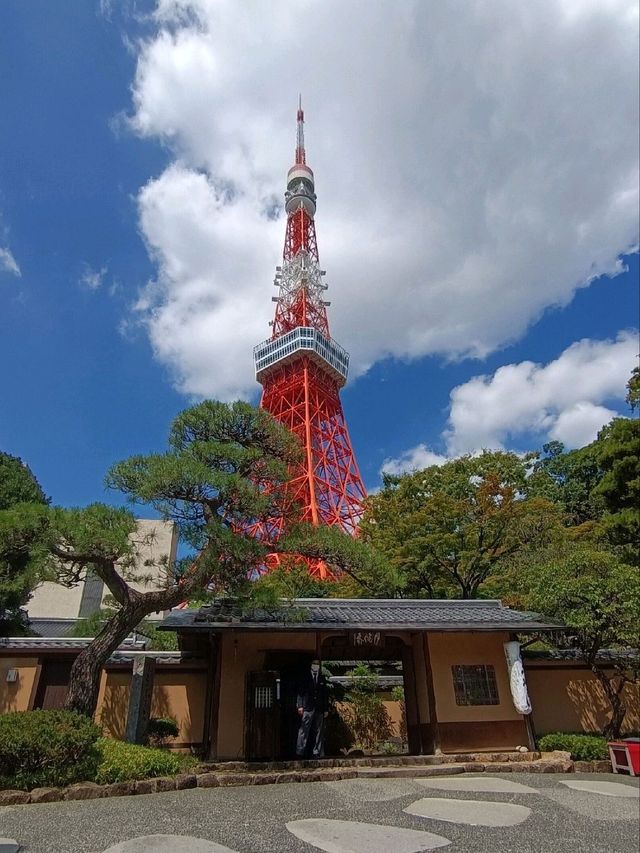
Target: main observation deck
[{"x": 303, "y": 340}]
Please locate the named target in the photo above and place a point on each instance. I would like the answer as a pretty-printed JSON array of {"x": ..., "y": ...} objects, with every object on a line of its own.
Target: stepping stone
[
  {"x": 606, "y": 789},
  {"x": 8, "y": 845},
  {"x": 478, "y": 785},
  {"x": 168, "y": 844},
  {"x": 373, "y": 790},
  {"x": 347, "y": 836},
  {"x": 469, "y": 812}
]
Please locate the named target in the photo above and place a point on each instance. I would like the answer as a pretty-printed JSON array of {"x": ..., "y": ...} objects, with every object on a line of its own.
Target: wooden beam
[{"x": 431, "y": 695}]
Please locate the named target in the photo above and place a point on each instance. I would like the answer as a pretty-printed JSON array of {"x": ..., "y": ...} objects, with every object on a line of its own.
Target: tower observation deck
[{"x": 301, "y": 368}]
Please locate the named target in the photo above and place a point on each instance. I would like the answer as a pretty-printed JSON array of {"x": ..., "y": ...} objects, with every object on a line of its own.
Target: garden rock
[
  {"x": 47, "y": 795},
  {"x": 13, "y": 798}
]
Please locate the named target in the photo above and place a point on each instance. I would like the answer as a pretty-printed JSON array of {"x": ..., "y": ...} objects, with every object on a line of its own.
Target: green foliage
[
  {"x": 365, "y": 712},
  {"x": 18, "y": 483},
  {"x": 46, "y": 748},
  {"x": 22, "y": 502},
  {"x": 161, "y": 641},
  {"x": 598, "y": 596},
  {"x": 125, "y": 762},
  {"x": 568, "y": 478},
  {"x": 633, "y": 389},
  {"x": 446, "y": 529},
  {"x": 594, "y": 593},
  {"x": 582, "y": 747},
  {"x": 160, "y": 729},
  {"x": 618, "y": 447},
  {"x": 283, "y": 584},
  {"x": 21, "y": 554},
  {"x": 397, "y": 694}
]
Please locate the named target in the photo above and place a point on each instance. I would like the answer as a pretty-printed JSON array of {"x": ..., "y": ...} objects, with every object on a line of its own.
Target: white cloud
[
  {"x": 92, "y": 279},
  {"x": 8, "y": 263},
  {"x": 416, "y": 459},
  {"x": 472, "y": 170},
  {"x": 562, "y": 399}
]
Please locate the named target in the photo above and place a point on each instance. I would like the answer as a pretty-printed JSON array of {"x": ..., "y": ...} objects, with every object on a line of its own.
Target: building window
[{"x": 475, "y": 685}]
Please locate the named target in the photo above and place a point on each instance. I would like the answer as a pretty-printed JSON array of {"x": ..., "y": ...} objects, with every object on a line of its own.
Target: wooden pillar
[
  {"x": 434, "y": 727},
  {"x": 213, "y": 697},
  {"x": 411, "y": 701},
  {"x": 144, "y": 669}
]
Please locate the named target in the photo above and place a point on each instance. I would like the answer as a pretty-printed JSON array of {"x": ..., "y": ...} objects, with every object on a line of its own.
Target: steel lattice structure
[{"x": 302, "y": 369}]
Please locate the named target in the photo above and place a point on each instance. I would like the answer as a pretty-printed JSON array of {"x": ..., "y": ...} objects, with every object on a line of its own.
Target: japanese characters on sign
[{"x": 361, "y": 639}]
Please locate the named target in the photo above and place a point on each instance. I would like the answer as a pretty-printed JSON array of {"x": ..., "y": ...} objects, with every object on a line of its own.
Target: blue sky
[{"x": 116, "y": 124}]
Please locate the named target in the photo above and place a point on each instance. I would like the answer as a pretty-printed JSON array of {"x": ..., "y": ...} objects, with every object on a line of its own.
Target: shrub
[
  {"x": 365, "y": 713},
  {"x": 582, "y": 747},
  {"x": 125, "y": 762},
  {"x": 46, "y": 748},
  {"x": 160, "y": 729}
]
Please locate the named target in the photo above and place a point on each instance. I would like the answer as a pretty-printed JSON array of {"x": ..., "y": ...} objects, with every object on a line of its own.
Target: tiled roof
[
  {"x": 341, "y": 613},
  {"x": 604, "y": 655},
  {"x": 44, "y": 627}
]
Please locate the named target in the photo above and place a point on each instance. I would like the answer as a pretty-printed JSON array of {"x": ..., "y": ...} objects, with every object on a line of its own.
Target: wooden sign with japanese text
[{"x": 366, "y": 639}]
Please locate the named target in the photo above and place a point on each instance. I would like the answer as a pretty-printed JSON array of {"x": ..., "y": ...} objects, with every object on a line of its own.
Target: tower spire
[{"x": 301, "y": 157}]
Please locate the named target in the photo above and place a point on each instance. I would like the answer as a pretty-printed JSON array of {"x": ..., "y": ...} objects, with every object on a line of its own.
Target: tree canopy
[
  {"x": 444, "y": 530},
  {"x": 21, "y": 517}
]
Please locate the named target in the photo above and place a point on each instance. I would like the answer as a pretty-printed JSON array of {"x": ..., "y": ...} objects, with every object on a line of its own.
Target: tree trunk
[
  {"x": 87, "y": 668},
  {"x": 614, "y": 696}
]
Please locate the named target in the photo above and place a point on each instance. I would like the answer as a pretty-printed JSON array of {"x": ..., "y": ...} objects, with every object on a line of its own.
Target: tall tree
[
  {"x": 446, "y": 529},
  {"x": 598, "y": 596},
  {"x": 21, "y": 499},
  {"x": 618, "y": 450},
  {"x": 226, "y": 467}
]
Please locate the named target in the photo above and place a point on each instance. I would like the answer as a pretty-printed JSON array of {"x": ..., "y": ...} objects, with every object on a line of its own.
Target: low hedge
[
  {"x": 582, "y": 747},
  {"x": 126, "y": 762},
  {"x": 46, "y": 749}
]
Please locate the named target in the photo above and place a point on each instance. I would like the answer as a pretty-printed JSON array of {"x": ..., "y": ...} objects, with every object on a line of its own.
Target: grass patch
[{"x": 126, "y": 762}]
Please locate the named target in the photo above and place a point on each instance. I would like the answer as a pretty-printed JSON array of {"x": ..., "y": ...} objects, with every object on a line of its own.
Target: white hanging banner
[{"x": 517, "y": 680}]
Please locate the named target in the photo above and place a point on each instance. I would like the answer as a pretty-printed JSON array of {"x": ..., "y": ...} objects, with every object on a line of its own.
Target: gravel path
[{"x": 333, "y": 816}]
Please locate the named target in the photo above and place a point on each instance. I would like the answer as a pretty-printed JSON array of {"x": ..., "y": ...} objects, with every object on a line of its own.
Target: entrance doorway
[{"x": 53, "y": 685}]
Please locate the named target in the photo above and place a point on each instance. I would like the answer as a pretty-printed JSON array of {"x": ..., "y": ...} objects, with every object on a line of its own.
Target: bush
[
  {"x": 46, "y": 748},
  {"x": 582, "y": 747},
  {"x": 365, "y": 712},
  {"x": 125, "y": 762},
  {"x": 160, "y": 729}
]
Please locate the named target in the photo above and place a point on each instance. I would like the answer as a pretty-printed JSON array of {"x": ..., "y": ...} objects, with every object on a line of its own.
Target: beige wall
[
  {"x": 15, "y": 696},
  {"x": 448, "y": 650},
  {"x": 178, "y": 694},
  {"x": 51, "y": 600},
  {"x": 569, "y": 699},
  {"x": 244, "y": 653}
]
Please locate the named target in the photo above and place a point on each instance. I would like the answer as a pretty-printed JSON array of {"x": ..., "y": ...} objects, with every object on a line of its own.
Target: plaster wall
[
  {"x": 449, "y": 650},
  {"x": 243, "y": 653},
  {"x": 176, "y": 694},
  {"x": 16, "y": 695},
  {"x": 569, "y": 699}
]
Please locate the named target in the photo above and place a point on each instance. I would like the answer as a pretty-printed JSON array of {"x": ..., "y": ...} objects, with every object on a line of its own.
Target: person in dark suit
[{"x": 313, "y": 706}]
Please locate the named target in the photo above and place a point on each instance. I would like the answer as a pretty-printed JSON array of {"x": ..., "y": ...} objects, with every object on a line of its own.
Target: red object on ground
[
  {"x": 625, "y": 756},
  {"x": 301, "y": 369}
]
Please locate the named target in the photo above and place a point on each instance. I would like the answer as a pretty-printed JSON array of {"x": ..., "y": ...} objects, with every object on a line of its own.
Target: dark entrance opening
[
  {"x": 291, "y": 667},
  {"x": 53, "y": 685}
]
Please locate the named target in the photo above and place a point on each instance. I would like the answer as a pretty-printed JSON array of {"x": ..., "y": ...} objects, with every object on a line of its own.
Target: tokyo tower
[{"x": 302, "y": 369}]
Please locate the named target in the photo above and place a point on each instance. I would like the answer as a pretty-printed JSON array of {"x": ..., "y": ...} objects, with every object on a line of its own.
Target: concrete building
[{"x": 54, "y": 609}]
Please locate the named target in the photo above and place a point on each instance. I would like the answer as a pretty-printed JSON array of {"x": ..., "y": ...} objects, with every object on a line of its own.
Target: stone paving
[{"x": 527, "y": 813}]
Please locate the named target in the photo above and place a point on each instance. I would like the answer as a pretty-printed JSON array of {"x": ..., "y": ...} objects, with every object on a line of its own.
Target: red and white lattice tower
[{"x": 302, "y": 369}]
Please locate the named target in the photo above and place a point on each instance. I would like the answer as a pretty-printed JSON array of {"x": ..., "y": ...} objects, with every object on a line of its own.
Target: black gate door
[{"x": 262, "y": 717}]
